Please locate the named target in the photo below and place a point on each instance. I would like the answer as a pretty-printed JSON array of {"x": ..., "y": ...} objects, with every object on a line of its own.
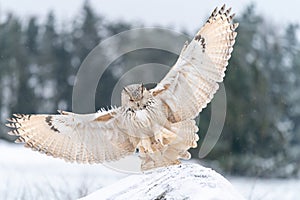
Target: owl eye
[{"x": 131, "y": 100}]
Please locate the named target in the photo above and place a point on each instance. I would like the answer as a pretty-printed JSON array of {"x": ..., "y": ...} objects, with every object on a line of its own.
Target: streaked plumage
[{"x": 158, "y": 122}]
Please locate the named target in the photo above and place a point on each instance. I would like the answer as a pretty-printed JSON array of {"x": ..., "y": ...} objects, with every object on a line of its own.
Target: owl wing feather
[
  {"x": 87, "y": 138},
  {"x": 193, "y": 80}
]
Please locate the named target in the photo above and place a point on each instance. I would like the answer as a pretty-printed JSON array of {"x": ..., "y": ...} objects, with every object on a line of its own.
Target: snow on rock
[{"x": 185, "y": 181}]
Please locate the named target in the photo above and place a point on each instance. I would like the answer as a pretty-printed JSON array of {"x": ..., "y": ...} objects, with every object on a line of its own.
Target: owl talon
[
  {"x": 159, "y": 138},
  {"x": 145, "y": 146}
]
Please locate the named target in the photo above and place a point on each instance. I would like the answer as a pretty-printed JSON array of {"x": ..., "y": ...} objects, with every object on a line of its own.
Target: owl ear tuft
[
  {"x": 142, "y": 88},
  {"x": 125, "y": 89},
  {"x": 128, "y": 92}
]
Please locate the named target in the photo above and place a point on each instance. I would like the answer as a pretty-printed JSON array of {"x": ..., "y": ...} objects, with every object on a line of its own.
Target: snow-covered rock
[{"x": 185, "y": 181}]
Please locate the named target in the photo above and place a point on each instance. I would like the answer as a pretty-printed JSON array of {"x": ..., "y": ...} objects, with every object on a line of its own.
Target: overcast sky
[{"x": 178, "y": 13}]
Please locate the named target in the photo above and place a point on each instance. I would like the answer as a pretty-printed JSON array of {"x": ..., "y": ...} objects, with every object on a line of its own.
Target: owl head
[{"x": 135, "y": 96}]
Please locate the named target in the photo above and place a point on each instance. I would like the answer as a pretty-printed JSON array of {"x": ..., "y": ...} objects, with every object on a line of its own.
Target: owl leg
[
  {"x": 164, "y": 136},
  {"x": 166, "y": 157},
  {"x": 145, "y": 145}
]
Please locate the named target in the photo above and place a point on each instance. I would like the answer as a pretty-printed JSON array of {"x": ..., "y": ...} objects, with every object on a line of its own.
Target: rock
[{"x": 177, "y": 182}]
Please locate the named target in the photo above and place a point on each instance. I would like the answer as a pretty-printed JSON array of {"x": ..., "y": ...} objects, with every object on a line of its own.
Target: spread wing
[
  {"x": 193, "y": 80},
  {"x": 88, "y": 138}
]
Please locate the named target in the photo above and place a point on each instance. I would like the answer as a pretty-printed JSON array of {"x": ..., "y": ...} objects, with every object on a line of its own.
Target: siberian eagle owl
[{"x": 159, "y": 122}]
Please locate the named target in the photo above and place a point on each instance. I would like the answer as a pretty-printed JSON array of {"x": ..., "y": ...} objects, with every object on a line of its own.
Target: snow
[
  {"x": 267, "y": 189},
  {"x": 185, "y": 181},
  {"x": 25, "y": 174}
]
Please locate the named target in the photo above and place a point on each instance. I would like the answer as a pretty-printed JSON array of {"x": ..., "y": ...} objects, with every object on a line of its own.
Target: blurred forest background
[{"x": 261, "y": 136}]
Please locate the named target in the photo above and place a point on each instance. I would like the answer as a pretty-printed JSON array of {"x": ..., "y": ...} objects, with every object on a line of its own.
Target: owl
[{"x": 158, "y": 123}]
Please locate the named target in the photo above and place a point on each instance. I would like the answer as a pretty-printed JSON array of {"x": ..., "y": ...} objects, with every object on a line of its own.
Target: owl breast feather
[{"x": 143, "y": 118}]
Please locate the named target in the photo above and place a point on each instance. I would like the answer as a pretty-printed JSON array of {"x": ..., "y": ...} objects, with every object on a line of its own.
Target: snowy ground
[
  {"x": 267, "y": 189},
  {"x": 25, "y": 174}
]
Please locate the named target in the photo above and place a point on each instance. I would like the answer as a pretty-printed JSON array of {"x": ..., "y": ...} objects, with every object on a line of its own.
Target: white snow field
[
  {"x": 188, "y": 181},
  {"x": 25, "y": 174}
]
